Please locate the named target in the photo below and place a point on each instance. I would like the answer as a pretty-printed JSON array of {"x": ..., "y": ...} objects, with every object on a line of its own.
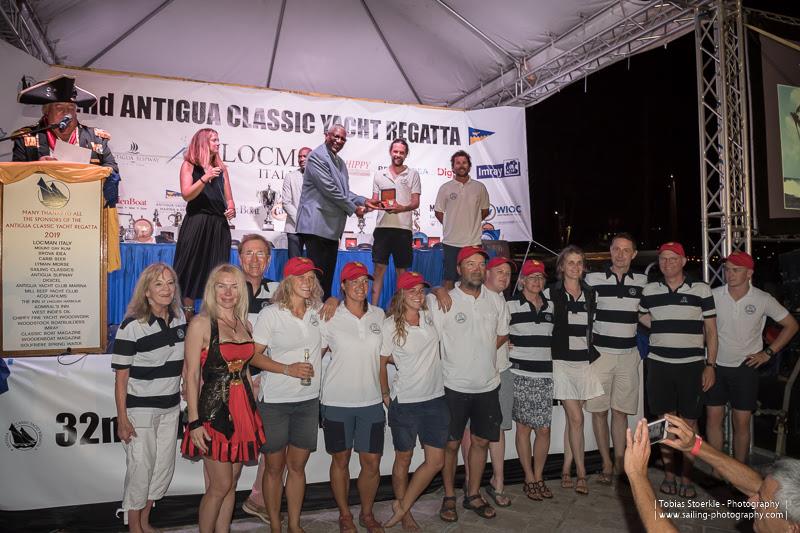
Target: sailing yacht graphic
[
  {"x": 52, "y": 195},
  {"x": 21, "y": 439}
]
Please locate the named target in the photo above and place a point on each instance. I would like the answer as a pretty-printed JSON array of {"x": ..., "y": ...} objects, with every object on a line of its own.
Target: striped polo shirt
[
  {"x": 677, "y": 320},
  {"x": 530, "y": 334},
  {"x": 259, "y": 299},
  {"x": 617, "y": 314},
  {"x": 153, "y": 353},
  {"x": 577, "y": 324}
]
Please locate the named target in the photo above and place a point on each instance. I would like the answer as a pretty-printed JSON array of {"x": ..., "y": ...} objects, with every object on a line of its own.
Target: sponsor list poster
[{"x": 51, "y": 264}]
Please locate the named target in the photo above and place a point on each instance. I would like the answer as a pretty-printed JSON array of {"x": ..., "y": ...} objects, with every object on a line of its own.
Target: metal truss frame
[
  {"x": 723, "y": 121},
  {"x": 622, "y": 30},
  {"x": 20, "y": 27}
]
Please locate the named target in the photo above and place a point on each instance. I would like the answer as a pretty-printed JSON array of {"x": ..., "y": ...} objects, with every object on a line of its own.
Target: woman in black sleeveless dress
[{"x": 204, "y": 240}]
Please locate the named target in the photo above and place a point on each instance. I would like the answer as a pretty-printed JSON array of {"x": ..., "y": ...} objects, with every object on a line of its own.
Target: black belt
[{"x": 540, "y": 367}]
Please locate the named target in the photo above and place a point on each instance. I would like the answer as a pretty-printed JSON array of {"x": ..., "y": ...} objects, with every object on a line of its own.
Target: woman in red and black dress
[{"x": 224, "y": 427}]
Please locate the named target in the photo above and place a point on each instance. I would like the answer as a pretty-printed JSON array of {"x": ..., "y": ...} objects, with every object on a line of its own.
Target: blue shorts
[
  {"x": 353, "y": 428},
  {"x": 428, "y": 420}
]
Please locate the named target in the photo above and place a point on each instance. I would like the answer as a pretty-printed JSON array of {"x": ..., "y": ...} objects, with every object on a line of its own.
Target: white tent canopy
[{"x": 462, "y": 53}]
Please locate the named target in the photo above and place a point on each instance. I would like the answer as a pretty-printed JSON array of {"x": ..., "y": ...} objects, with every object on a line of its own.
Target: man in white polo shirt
[
  {"x": 393, "y": 230},
  {"x": 471, "y": 332},
  {"x": 742, "y": 311},
  {"x": 461, "y": 205}
]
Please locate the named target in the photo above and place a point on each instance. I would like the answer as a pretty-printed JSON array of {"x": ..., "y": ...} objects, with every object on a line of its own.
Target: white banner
[
  {"x": 151, "y": 121},
  {"x": 59, "y": 443}
]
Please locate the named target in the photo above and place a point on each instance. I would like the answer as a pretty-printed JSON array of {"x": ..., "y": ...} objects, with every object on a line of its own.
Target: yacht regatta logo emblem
[{"x": 23, "y": 435}]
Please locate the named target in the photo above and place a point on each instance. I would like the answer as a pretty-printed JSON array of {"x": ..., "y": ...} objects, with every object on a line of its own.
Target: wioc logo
[
  {"x": 23, "y": 435},
  {"x": 477, "y": 135},
  {"x": 134, "y": 149},
  {"x": 506, "y": 169}
]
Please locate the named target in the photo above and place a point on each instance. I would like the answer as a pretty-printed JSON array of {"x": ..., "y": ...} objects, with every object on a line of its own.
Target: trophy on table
[
  {"x": 267, "y": 198},
  {"x": 156, "y": 222},
  {"x": 361, "y": 224},
  {"x": 176, "y": 218}
]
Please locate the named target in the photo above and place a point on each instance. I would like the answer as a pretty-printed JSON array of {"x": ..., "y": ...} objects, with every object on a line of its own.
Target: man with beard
[
  {"x": 471, "y": 332},
  {"x": 325, "y": 203},
  {"x": 393, "y": 230},
  {"x": 290, "y": 198},
  {"x": 461, "y": 205}
]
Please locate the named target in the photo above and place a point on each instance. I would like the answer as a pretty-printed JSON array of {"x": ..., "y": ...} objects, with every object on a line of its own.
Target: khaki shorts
[{"x": 619, "y": 376}]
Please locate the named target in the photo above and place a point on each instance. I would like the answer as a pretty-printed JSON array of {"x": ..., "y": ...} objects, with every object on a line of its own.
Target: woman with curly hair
[
  {"x": 417, "y": 408},
  {"x": 289, "y": 348}
]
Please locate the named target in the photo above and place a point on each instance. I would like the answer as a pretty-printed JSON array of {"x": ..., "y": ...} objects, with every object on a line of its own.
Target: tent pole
[{"x": 275, "y": 44}]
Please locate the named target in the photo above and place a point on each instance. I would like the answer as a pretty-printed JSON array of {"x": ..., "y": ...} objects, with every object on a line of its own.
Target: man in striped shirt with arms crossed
[
  {"x": 614, "y": 333},
  {"x": 681, "y": 315}
]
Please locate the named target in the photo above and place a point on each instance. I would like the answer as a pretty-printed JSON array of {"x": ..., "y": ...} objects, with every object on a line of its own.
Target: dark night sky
[{"x": 601, "y": 152}]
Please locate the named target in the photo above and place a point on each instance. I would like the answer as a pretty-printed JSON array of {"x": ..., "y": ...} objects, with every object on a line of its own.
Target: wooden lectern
[{"x": 53, "y": 249}]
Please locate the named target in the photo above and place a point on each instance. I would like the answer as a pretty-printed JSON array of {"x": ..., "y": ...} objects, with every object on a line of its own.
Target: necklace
[{"x": 235, "y": 323}]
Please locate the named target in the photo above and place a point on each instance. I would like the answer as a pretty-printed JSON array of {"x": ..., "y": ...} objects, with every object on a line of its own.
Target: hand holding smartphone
[{"x": 657, "y": 431}]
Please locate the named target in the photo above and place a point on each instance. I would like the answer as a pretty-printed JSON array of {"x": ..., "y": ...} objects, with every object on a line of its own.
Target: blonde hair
[
  {"x": 283, "y": 294},
  {"x": 210, "y": 296},
  {"x": 397, "y": 310},
  {"x": 139, "y": 306},
  {"x": 562, "y": 259}
]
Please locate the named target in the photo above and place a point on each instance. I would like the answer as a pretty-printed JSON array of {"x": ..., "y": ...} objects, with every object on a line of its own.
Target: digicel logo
[{"x": 444, "y": 172}]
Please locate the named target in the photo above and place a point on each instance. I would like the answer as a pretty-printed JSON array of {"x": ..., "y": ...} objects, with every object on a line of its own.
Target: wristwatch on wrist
[{"x": 769, "y": 351}]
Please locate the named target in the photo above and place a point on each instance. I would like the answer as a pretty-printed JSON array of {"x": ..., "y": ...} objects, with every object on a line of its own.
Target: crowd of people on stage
[{"x": 495, "y": 345}]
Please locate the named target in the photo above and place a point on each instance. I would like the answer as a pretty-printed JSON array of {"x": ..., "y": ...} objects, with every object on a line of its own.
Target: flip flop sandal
[
  {"x": 484, "y": 510},
  {"x": 566, "y": 481},
  {"x": 368, "y": 521},
  {"x": 346, "y": 524},
  {"x": 668, "y": 487},
  {"x": 531, "y": 490},
  {"x": 581, "y": 487},
  {"x": 445, "y": 508},
  {"x": 542, "y": 489},
  {"x": 687, "y": 491},
  {"x": 495, "y": 494},
  {"x": 604, "y": 479}
]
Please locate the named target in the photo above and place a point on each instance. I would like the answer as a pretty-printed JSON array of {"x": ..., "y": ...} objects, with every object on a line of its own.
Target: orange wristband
[{"x": 698, "y": 441}]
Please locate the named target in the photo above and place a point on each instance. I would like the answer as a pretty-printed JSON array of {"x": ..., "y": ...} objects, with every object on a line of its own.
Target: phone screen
[{"x": 657, "y": 431}]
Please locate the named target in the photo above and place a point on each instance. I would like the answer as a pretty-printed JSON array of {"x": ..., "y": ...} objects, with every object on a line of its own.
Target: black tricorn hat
[{"x": 59, "y": 89}]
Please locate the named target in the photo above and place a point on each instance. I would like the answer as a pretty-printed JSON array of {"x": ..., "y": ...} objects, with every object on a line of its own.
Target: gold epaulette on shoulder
[
  {"x": 103, "y": 134},
  {"x": 26, "y": 129}
]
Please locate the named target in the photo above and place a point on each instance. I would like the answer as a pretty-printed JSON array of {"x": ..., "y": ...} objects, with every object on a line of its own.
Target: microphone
[{"x": 64, "y": 122}]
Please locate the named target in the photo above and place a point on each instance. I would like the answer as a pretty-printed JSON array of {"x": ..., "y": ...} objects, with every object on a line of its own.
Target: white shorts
[
  {"x": 575, "y": 380},
  {"x": 150, "y": 457}
]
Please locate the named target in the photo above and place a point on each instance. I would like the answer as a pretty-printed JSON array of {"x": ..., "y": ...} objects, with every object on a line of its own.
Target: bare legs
[
  {"x": 216, "y": 506},
  {"x": 619, "y": 423},
  {"x": 541, "y": 447},
  {"x": 294, "y": 459},
  {"x": 368, "y": 480},
  {"x": 139, "y": 519},
  {"x": 407, "y": 493},
  {"x": 574, "y": 411}
]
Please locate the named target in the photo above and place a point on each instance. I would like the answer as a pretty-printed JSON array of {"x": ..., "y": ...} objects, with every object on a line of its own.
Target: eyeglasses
[{"x": 260, "y": 255}]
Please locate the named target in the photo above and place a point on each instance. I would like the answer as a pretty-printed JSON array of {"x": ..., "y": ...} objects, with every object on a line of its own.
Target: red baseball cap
[
  {"x": 742, "y": 259},
  {"x": 469, "y": 251},
  {"x": 353, "y": 270},
  {"x": 297, "y": 266},
  {"x": 532, "y": 266},
  {"x": 500, "y": 260},
  {"x": 672, "y": 247},
  {"x": 409, "y": 280}
]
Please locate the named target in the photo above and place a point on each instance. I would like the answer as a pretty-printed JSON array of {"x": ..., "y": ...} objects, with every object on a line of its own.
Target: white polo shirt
[
  {"x": 469, "y": 332},
  {"x": 405, "y": 184},
  {"x": 419, "y": 366},
  {"x": 740, "y": 324},
  {"x": 287, "y": 337},
  {"x": 352, "y": 376},
  {"x": 461, "y": 204}
]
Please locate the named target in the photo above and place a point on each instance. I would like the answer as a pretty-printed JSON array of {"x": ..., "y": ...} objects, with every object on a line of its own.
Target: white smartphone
[{"x": 657, "y": 431}]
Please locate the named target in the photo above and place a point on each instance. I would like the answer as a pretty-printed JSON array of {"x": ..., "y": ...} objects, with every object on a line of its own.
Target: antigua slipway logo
[{"x": 23, "y": 435}]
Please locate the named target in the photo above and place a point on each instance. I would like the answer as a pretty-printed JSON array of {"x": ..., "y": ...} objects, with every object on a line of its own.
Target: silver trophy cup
[{"x": 267, "y": 198}]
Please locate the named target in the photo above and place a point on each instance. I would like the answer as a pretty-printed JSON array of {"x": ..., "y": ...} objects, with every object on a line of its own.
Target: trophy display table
[{"x": 136, "y": 256}]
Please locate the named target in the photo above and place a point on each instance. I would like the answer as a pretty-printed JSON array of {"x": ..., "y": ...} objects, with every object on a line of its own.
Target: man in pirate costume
[{"x": 60, "y": 98}]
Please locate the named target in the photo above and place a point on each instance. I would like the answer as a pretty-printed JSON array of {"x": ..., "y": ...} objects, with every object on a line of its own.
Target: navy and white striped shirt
[
  {"x": 677, "y": 320},
  {"x": 153, "y": 353},
  {"x": 617, "y": 315},
  {"x": 531, "y": 334}
]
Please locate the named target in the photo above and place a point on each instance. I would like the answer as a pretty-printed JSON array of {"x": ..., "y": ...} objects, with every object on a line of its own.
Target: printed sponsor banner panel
[
  {"x": 151, "y": 121},
  {"x": 62, "y": 449}
]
